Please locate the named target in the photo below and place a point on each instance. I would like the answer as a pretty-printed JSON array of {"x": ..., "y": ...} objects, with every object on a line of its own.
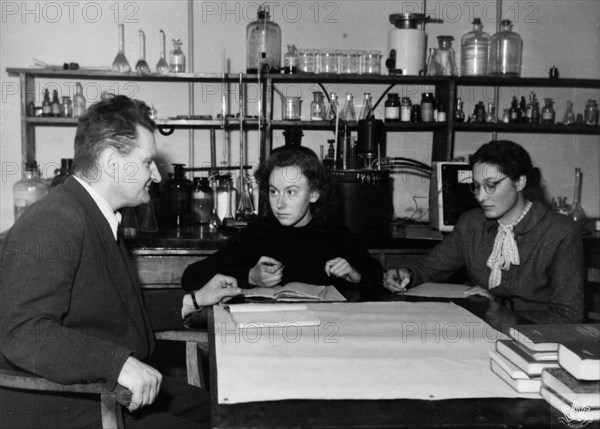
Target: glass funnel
[
  {"x": 142, "y": 66},
  {"x": 120, "y": 64},
  {"x": 162, "y": 66}
]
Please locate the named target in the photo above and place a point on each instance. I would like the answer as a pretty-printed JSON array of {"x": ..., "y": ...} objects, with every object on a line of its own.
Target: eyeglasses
[{"x": 489, "y": 187}]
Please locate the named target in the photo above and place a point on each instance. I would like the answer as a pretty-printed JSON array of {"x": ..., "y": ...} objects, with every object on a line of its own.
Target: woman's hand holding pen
[
  {"x": 396, "y": 280},
  {"x": 218, "y": 289},
  {"x": 339, "y": 267},
  {"x": 266, "y": 273}
]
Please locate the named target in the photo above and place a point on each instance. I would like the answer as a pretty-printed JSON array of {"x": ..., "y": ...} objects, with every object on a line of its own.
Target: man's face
[{"x": 137, "y": 171}]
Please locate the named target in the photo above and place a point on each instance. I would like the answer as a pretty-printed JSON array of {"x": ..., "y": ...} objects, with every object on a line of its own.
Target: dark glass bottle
[
  {"x": 535, "y": 110},
  {"x": 46, "y": 104},
  {"x": 178, "y": 193},
  {"x": 392, "y": 108},
  {"x": 523, "y": 111},
  {"x": 415, "y": 114},
  {"x": 514, "y": 112},
  {"x": 65, "y": 170},
  {"x": 427, "y": 107},
  {"x": 55, "y": 104},
  {"x": 480, "y": 113}
]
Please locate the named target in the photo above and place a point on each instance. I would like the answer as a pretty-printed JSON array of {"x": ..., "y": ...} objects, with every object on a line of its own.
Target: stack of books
[{"x": 561, "y": 362}]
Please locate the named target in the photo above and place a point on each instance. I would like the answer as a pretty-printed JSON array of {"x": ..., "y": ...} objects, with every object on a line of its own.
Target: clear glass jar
[
  {"x": 350, "y": 62},
  {"x": 29, "y": 189},
  {"x": 177, "y": 58},
  {"x": 263, "y": 43},
  {"x": 371, "y": 62},
  {"x": 427, "y": 106},
  {"x": 328, "y": 61},
  {"x": 591, "y": 113},
  {"x": 317, "y": 107},
  {"x": 505, "y": 52},
  {"x": 431, "y": 66},
  {"x": 203, "y": 200},
  {"x": 475, "y": 46},
  {"x": 290, "y": 60},
  {"x": 307, "y": 60},
  {"x": 569, "y": 116},
  {"x": 445, "y": 57},
  {"x": 548, "y": 112}
]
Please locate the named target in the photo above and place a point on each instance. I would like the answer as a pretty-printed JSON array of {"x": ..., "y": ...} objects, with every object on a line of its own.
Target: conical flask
[
  {"x": 367, "y": 109},
  {"x": 147, "y": 218},
  {"x": 245, "y": 209}
]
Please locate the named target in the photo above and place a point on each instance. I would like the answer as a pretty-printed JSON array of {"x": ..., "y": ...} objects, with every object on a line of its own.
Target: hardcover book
[
  {"x": 548, "y": 337},
  {"x": 572, "y": 411},
  {"x": 522, "y": 359},
  {"x": 586, "y": 393},
  {"x": 522, "y": 385},
  {"x": 581, "y": 355}
]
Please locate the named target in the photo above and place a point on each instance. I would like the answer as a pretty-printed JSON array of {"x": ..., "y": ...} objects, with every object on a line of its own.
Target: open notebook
[{"x": 295, "y": 292}]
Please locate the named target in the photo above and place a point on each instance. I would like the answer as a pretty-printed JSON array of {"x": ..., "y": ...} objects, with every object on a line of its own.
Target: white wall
[{"x": 564, "y": 33}]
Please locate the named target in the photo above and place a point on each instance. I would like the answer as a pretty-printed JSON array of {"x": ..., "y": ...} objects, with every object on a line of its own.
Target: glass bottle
[
  {"x": 147, "y": 217},
  {"x": 317, "y": 107},
  {"x": 440, "y": 115},
  {"x": 46, "y": 104},
  {"x": 591, "y": 113},
  {"x": 214, "y": 222},
  {"x": 332, "y": 108},
  {"x": 475, "y": 46},
  {"x": 78, "y": 101},
  {"x": 506, "y": 116},
  {"x": 120, "y": 63},
  {"x": 66, "y": 107},
  {"x": 228, "y": 218},
  {"x": 64, "y": 172},
  {"x": 427, "y": 107},
  {"x": 263, "y": 43},
  {"x": 405, "y": 109},
  {"x": 523, "y": 111},
  {"x": 55, "y": 107},
  {"x": 348, "y": 113},
  {"x": 576, "y": 212},
  {"x": 459, "y": 115},
  {"x": 415, "y": 113},
  {"x": 535, "y": 110},
  {"x": 179, "y": 198},
  {"x": 162, "y": 66},
  {"x": 505, "y": 52},
  {"x": 203, "y": 200},
  {"x": 514, "y": 112},
  {"x": 367, "y": 109},
  {"x": 431, "y": 66},
  {"x": 392, "y": 108},
  {"x": 445, "y": 56},
  {"x": 490, "y": 116},
  {"x": 290, "y": 60},
  {"x": 142, "y": 66},
  {"x": 569, "y": 117},
  {"x": 329, "y": 161},
  {"x": 29, "y": 189},
  {"x": 177, "y": 58},
  {"x": 548, "y": 112}
]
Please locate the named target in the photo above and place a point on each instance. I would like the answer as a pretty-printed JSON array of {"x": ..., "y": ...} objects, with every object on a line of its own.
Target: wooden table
[{"x": 403, "y": 413}]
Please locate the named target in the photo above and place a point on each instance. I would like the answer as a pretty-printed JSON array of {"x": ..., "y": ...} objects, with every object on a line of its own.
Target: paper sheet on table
[
  {"x": 271, "y": 315},
  {"x": 372, "y": 350},
  {"x": 438, "y": 290}
]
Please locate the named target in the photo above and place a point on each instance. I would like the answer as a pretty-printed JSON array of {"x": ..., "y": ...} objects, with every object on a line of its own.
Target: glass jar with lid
[
  {"x": 290, "y": 60},
  {"x": 317, "y": 107},
  {"x": 392, "y": 108},
  {"x": 307, "y": 60},
  {"x": 263, "y": 43},
  {"x": 548, "y": 111},
  {"x": 405, "y": 109},
  {"x": 505, "y": 52},
  {"x": 445, "y": 57},
  {"x": 177, "y": 58},
  {"x": 475, "y": 46}
]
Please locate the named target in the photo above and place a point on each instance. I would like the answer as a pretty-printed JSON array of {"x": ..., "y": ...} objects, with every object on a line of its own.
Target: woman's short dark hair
[
  {"x": 112, "y": 122},
  {"x": 309, "y": 164},
  {"x": 512, "y": 160}
]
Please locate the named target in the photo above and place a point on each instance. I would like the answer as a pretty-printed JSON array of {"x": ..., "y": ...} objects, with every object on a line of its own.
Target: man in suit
[{"x": 71, "y": 306}]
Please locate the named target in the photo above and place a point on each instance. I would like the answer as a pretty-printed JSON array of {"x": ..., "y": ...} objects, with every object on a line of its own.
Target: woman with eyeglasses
[{"x": 514, "y": 249}]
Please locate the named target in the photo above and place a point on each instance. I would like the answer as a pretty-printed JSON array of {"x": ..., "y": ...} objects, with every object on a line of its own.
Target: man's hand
[
  {"x": 266, "y": 273},
  {"x": 396, "y": 280},
  {"x": 218, "y": 289},
  {"x": 339, "y": 267},
  {"x": 143, "y": 381}
]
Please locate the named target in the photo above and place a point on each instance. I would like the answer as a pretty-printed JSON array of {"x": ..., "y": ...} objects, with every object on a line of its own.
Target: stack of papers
[{"x": 272, "y": 315}]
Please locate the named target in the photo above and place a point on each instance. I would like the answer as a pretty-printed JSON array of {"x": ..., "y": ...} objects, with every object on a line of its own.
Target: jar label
[{"x": 392, "y": 113}]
